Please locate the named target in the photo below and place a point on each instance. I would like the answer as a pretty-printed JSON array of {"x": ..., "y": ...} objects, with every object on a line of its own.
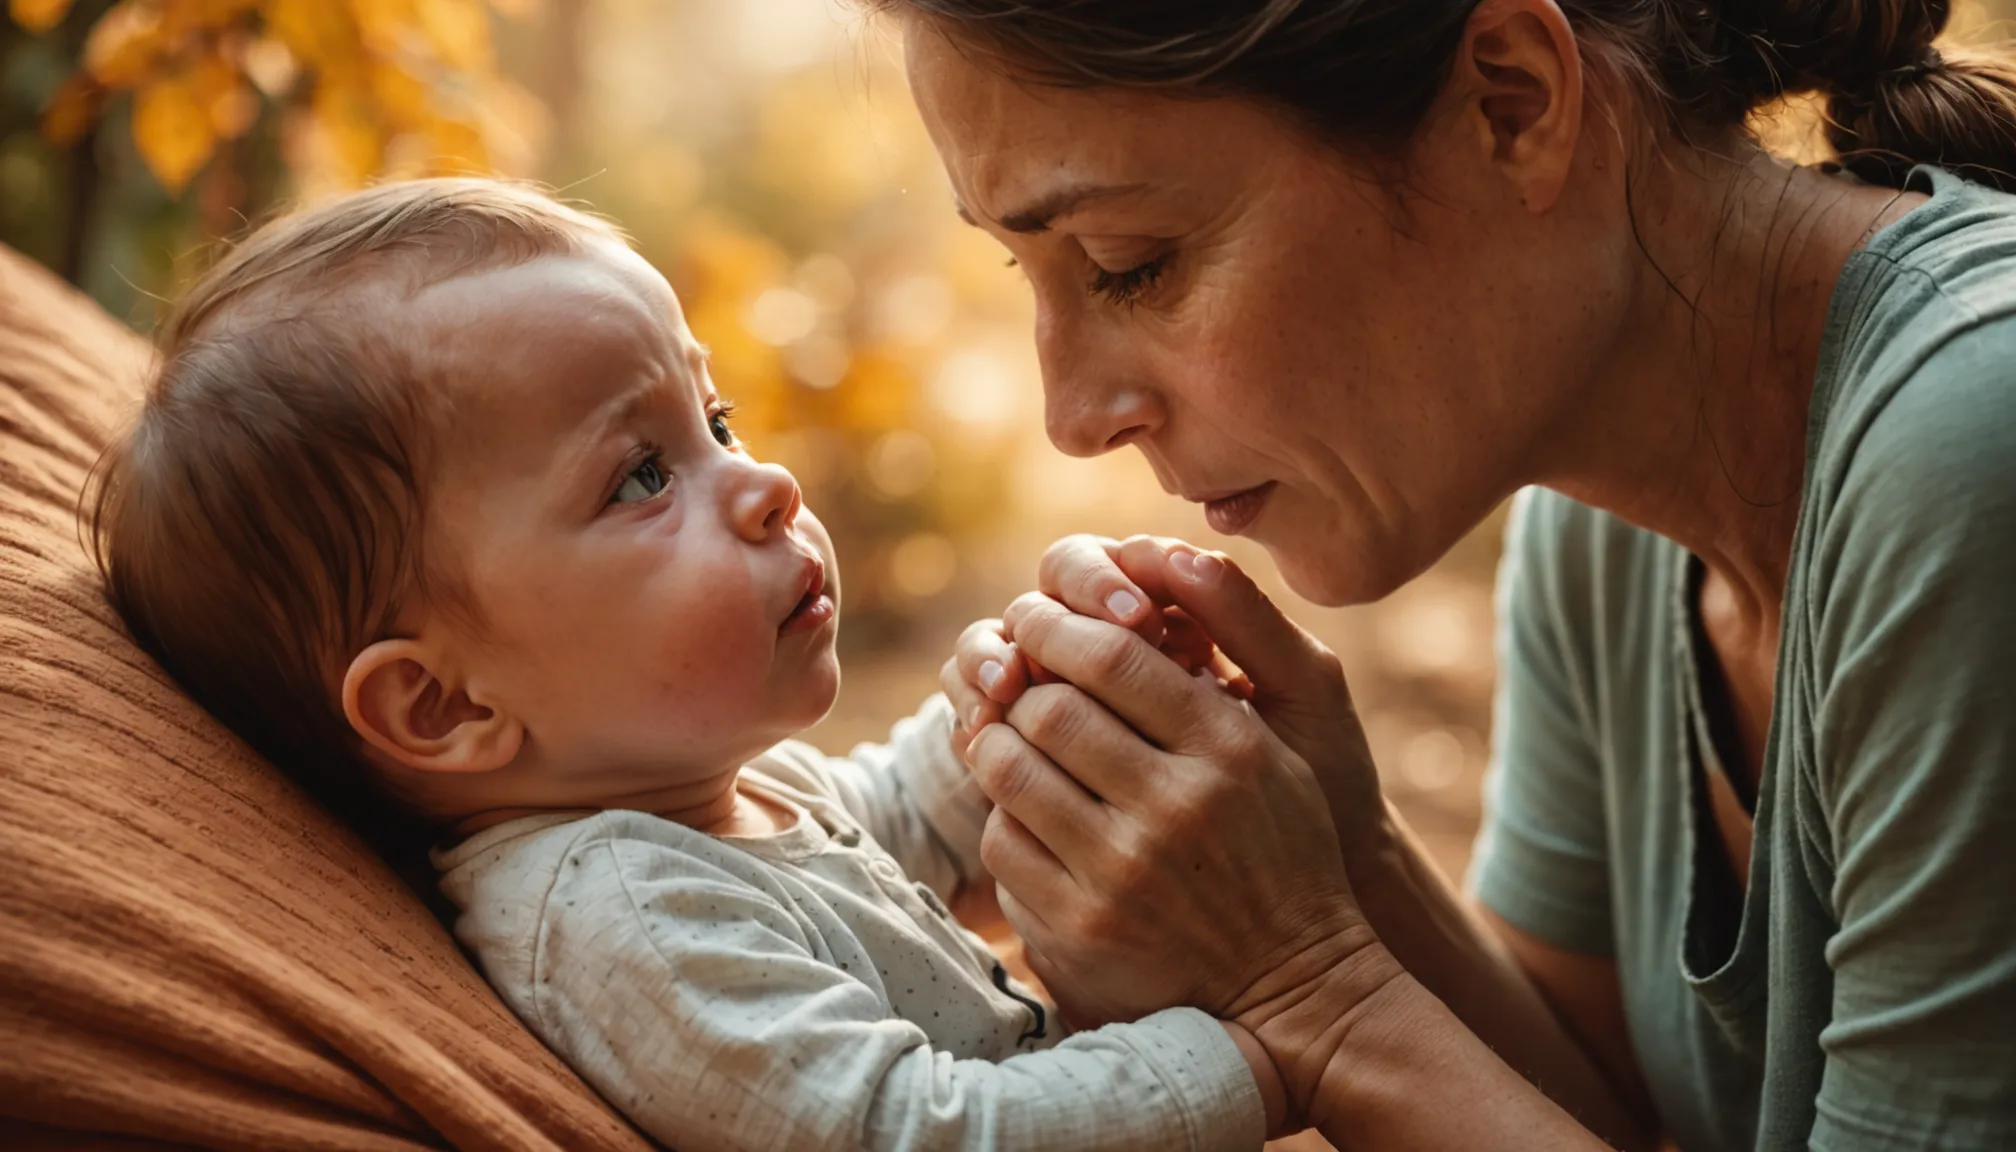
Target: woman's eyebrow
[{"x": 1037, "y": 217}]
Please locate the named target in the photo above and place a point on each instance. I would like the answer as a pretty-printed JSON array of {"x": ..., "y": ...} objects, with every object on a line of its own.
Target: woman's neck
[{"x": 1701, "y": 432}]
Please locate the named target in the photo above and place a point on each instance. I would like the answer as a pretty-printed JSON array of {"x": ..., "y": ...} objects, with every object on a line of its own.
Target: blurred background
[{"x": 765, "y": 155}]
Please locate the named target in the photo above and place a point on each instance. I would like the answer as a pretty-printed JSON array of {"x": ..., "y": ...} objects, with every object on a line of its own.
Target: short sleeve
[
  {"x": 1541, "y": 860},
  {"x": 1914, "y": 764}
]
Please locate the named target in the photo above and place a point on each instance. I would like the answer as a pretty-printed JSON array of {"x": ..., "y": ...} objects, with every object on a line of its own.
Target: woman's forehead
[{"x": 1013, "y": 145}]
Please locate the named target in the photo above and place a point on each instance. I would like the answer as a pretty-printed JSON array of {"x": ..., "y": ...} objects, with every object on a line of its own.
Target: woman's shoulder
[
  {"x": 1912, "y": 452},
  {"x": 1919, "y": 464},
  {"x": 1943, "y": 279}
]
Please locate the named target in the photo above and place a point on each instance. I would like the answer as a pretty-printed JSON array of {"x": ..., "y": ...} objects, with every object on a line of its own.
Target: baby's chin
[{"x": 814, "y": 699}]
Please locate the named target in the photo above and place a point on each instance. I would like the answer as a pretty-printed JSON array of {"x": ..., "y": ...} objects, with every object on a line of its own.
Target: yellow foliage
[
  {"x": 71, "y": 111},
  {"x": 459, "y": 31},
  {"x": 315, "y": 31},
  {"x": 402, "y": 97},
  {"x": 455, "y": 146},
  {"x": 38, "y": 16},
  {"x": 397, "y": 85},
  {"x": 184, "y": 17},
  {"x": 384, "y": 27},
  {"x": 877, "y": 391},
  {"x": 346, "y": 135},
  {"x": 172, "y": 129},
  {"x": 124, "y": 44}
]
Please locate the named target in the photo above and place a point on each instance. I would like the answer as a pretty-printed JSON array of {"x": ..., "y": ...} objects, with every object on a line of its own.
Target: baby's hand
[
  {"x": 987, "y": 672},
  {"x": 1126, "y": 582}
]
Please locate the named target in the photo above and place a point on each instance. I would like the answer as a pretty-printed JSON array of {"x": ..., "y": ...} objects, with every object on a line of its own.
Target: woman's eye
[
  {"x": 718, "y": 424},
  {"x": 644, "y": 481},
  {"x": 1126, "y": 287}
]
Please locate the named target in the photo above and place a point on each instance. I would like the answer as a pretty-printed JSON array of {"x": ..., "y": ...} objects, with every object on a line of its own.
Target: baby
[{"x": 434, "y": 502}]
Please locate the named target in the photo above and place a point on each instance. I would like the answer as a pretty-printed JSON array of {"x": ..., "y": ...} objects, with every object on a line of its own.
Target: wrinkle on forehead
[
  {"x": 1008, "y": 143},
  {"x": 1007, "y": 140}
]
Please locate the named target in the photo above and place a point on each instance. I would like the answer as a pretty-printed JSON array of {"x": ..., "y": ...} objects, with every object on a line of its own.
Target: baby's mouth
[{"x": 813, "y": 608}]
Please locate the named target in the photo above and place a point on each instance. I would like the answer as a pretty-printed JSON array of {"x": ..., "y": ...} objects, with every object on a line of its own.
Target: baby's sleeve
[
  {"x": 915, "y": 797},
  {"x": 696, "y": 1001}
]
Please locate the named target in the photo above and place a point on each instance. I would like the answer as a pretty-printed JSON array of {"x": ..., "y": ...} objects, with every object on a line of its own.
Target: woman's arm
[
  {"x": 1541, "y": 1010},
  {"x": 1556, "y": 1017}
]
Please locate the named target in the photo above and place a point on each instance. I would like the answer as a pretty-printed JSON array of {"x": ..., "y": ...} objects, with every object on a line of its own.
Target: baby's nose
[{"x": 763, "y": 501}]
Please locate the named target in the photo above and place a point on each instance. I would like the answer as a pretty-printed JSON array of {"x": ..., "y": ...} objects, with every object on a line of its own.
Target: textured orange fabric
[{"x": 192, "y": 953}]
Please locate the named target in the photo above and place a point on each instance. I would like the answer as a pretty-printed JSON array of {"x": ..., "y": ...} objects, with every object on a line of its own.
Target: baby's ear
[{"x": 401, "y": 707}]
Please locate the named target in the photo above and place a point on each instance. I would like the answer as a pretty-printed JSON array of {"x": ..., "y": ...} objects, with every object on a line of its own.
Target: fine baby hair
[{"x": 259, "y": 522}]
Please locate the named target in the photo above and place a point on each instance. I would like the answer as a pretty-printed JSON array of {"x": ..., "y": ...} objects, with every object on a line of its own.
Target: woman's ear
[
  {"x": 1525, "y": 70},
  {"x": 396, "y": 700}
]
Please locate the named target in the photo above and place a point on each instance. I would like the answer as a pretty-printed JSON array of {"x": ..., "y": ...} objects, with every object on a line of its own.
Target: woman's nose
[
  {"x": 763, "y": 501},
  {"x": 1088, "y": 408}
]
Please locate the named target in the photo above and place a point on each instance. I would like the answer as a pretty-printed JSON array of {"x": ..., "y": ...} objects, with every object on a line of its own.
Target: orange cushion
[{"x": 190, "y": 950}]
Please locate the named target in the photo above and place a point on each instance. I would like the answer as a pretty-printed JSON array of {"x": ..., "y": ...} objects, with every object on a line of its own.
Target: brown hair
[
  {"x": 1367, "y": 70},
  {"x": 259, "y": 523}
]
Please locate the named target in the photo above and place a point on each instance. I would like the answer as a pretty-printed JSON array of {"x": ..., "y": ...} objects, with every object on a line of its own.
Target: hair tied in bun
[{"x": 1925, "y": 63}]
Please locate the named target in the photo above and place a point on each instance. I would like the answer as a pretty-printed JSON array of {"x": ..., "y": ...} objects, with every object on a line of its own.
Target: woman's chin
[{"x": 1323, "y": 573}]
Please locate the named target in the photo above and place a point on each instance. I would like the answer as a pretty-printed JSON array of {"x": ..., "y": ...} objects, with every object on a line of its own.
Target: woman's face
[{"x": 1350, "y": 376}]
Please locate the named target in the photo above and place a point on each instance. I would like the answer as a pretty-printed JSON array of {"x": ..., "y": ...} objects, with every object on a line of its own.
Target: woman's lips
[{"x": 1231, "y": 515}]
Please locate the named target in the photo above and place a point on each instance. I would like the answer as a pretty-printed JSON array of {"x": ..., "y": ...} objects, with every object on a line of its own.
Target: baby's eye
[
  {"x": 718, "y": 424},
  {"x": 644, "y": 481}
]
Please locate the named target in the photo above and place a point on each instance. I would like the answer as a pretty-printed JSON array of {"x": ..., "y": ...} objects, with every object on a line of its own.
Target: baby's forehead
[{"x": 530, "y": 350}]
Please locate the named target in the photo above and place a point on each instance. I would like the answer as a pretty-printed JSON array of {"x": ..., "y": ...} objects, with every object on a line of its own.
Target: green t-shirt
[{"x": 1862, "y": 994}]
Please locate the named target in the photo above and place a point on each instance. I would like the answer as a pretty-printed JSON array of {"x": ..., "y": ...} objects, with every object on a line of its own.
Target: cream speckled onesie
[{"x": 809, "y": 989}]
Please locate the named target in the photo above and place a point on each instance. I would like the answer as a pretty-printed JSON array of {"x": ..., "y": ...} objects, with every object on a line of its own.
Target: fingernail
[
  {"x": 1122, "y": 604},
  {"x": 1185, "y": 564},
  {"x": 971, "y": 718},
  {"x": 1209, "y": 568},
  {"x": 990, "y": 674}
]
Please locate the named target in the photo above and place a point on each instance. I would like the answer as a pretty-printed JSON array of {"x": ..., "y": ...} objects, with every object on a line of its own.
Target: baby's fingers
[
  {"x": 971, "y": 709},
  {"x": 990, "y": 663}
]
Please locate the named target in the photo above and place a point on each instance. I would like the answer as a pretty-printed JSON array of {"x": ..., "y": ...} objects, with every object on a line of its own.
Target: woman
[{"x": 1351, "y": 272}]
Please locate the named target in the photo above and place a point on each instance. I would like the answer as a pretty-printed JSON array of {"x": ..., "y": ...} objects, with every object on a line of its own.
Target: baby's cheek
[{"x": 713, "y": 657}]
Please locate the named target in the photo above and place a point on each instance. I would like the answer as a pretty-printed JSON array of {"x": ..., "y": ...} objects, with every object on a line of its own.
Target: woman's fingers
[
  {"x": 1044, "y": 799},
  {"x": 1185, "y": 641},
  {"x": 1295, "y": 683},
  {"x": 1084, "y": 574},
  {"x": 1020, "y": 863},
  {"x": 1136, "y": 682},
  {"x": 1275, "y": 653},
  {"x": 1080, "y": 736}
]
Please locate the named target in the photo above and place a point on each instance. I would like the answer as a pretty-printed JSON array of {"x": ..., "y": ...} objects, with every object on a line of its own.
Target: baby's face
[{"x": 655, "y": 603}]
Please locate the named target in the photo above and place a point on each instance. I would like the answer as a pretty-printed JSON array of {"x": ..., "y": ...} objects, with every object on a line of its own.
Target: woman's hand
[
  {"x": 1295, "y": 682},
  {"x": 986, "y": 671},
  {"x": 1157, "y": 843}
]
